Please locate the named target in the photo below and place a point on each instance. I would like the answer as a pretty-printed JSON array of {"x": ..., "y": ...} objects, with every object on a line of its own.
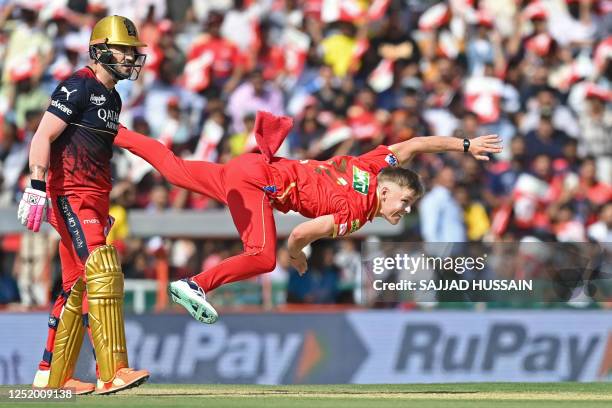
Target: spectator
[
  {"x": 253, "y": 95},
  {"x": 601, "y": 231},
  {"x": 474, "y": 214},
  {"x": 320, "y": 283},
  {"x": 545, "y": 139},
  {"x": 216, "y": 62},
  {"x": 546, "y": 102},
  {"x": 14, "y": 158},
  {"x": 596, "y": 132},
  {"x": 439, "y": 213},
  {"x": 244, "y": 141}
]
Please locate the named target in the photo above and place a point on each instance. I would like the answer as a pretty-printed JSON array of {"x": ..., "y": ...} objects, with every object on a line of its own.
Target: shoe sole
[
  {"x": 133, "y": 384},
  {"x": 192, "y": 306}
]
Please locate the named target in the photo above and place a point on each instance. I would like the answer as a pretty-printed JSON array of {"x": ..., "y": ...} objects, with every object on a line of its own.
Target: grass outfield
[{"x": 472, "y": 395}]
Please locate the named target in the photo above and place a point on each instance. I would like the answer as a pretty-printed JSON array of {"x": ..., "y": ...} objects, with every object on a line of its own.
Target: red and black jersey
[{"x": 80, "y": 156}]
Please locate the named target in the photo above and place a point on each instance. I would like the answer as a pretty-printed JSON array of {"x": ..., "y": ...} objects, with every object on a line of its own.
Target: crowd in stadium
[{"x": 353, "y": 74}]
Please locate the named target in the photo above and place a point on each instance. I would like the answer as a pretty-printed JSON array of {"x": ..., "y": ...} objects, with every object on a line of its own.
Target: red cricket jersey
[{"x": 344, "y": 186}]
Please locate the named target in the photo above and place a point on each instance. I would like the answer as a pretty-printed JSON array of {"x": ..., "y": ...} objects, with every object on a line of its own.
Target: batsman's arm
[
  {"x": 304, "y": 234},
  {"x": 49, "y": 129},
  {"x": 478, "y": 147}
]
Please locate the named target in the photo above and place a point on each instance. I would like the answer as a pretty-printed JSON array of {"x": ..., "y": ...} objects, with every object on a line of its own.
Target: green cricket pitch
[{"x": 472, "y": 395}]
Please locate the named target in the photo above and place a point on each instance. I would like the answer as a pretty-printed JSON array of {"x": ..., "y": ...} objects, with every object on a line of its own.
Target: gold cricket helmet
[
  {"x": 115, "y": 30},
  {"x": 118, "y": 31}
]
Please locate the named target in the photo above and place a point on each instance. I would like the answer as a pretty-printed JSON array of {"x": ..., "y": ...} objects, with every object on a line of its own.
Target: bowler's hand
[
  {"x": 480, "y": 146},
  {"x": 299, "y": 262}
]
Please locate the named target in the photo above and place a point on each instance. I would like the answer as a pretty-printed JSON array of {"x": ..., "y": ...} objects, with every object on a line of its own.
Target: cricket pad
[
  {"x": 105, "y": 300},
  {"x": 68, "y": 337}
]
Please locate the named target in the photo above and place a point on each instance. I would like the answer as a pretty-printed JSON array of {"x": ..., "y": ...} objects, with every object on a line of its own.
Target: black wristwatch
[{"x": 466, "y": 145}]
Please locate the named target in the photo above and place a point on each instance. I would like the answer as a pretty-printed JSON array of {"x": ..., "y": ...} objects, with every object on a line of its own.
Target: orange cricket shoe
[
  {"x": 77, "y": 386},
  {"x": 124, "y": 378}
]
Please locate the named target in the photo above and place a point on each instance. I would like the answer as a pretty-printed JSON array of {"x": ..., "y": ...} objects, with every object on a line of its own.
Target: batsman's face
[
  {"x": 123, "y": 55},
  {"x": 395, "y": 201}
]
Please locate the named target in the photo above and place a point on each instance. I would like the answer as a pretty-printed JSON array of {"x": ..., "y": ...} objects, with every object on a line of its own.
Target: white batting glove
[{"x": 32, "y": 210}]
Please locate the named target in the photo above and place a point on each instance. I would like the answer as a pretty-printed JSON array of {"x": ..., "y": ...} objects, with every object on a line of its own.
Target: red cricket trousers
[
  {"x": 80, "y": 219},
  {"x": 238, "y": 184}
]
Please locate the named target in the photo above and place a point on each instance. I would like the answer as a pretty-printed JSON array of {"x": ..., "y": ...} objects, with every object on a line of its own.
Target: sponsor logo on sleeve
[
  {"x": 61, "y": 107},
  {"x": 355, "y": 224}
]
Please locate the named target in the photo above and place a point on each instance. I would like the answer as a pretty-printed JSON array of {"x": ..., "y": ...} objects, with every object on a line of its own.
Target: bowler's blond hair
[{"x": 403, "y": 178}]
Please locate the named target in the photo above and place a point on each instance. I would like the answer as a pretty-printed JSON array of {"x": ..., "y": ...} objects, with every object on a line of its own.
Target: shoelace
[{"x": 195, "y": 287}]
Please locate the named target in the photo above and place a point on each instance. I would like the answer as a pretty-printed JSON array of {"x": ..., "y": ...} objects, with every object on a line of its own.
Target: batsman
[{"x": 70, "y": 158}]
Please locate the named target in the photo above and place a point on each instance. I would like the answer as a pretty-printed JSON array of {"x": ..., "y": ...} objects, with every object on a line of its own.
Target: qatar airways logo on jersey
[
  {"x": 61, "y": 107},
  {"x": 110, "y": 118}
]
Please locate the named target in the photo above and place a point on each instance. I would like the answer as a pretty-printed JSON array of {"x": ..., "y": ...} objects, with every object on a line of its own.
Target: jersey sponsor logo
[
  {"x": 355, "y": 225},
  {"x": 361, "y": 180},
  {"x": 342, "y": 229},
  {"x": 68, "y": 93},
  {"x": 110, "y": 118},
  {"x": 97, "y": 100},
  {"x": 61, "y": 107},
  {"x": 391, "y": 160}
]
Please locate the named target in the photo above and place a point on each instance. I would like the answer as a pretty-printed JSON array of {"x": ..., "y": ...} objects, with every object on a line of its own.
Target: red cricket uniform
[
  {"x": 344, "y": 186},
  {"x": 79, "y": 179},
  {"x": 253, "y": 184}
]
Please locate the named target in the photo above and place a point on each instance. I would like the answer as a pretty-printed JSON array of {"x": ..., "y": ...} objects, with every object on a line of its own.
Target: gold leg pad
[
  {"x": 68, "y": 337},
  {"x": 105, "y": 300}
]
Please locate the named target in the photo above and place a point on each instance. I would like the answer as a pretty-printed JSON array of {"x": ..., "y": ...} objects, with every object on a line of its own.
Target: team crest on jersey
[
  {"x": 361, "y": 180},
  {"x": 355, "y": 225},
  {"x": 97, "y": 99},
  {"x": 391, "y": 160}
]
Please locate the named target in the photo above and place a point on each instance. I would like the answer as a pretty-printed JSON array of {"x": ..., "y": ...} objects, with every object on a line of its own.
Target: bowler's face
[{"x": 395, "y": 202}]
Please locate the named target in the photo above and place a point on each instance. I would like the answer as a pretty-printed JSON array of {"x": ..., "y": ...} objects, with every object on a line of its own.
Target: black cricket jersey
[{"x": 80, "y": 156}]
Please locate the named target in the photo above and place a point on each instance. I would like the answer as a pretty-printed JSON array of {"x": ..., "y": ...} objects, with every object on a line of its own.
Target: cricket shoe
[
  {"x": 125, "y": 378},
  {"x": 78, "y": 387},
  {"x": 192, "y": 297}
]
